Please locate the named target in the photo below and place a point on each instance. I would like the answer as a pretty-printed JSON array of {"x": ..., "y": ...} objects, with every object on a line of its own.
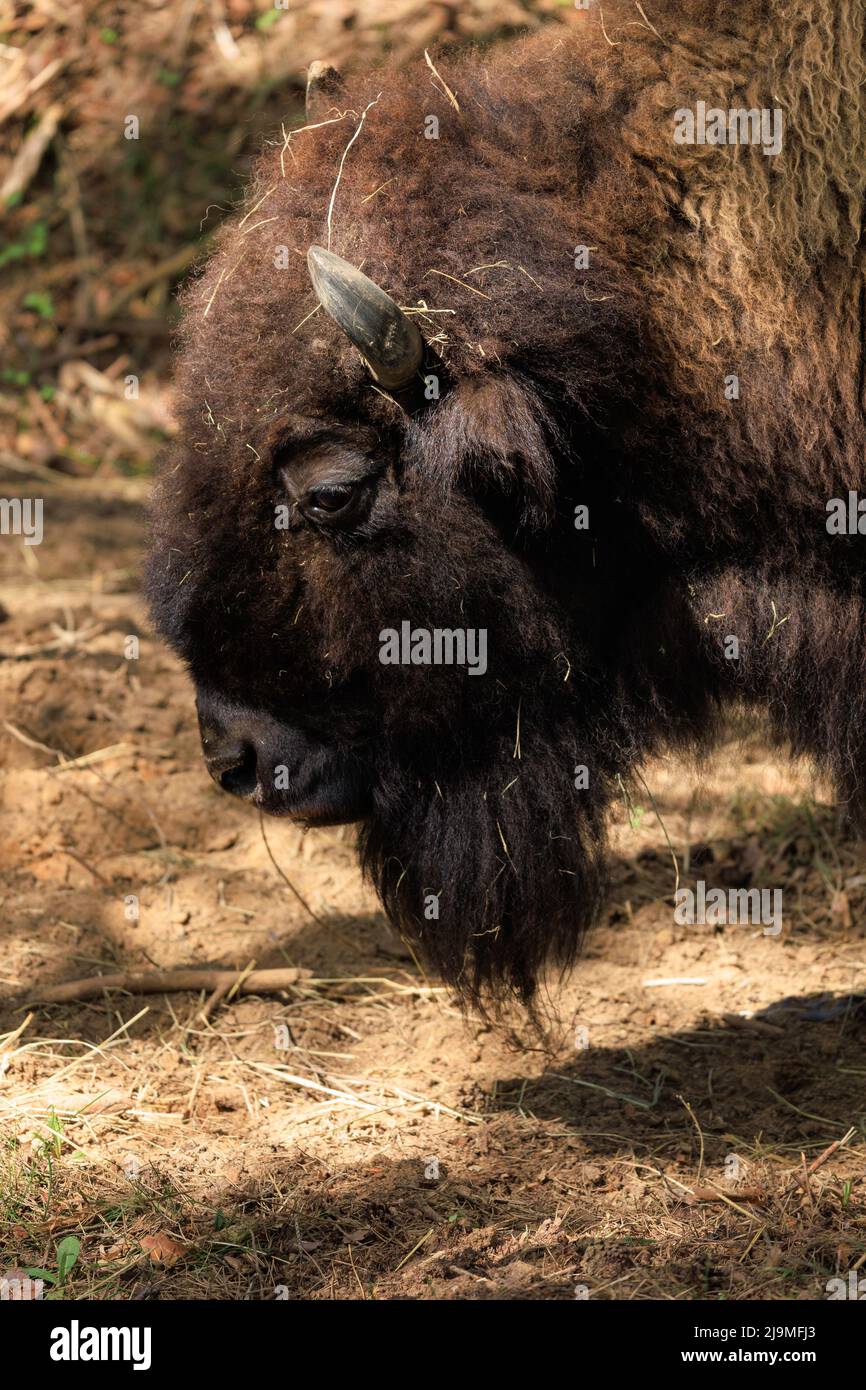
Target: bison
[{"x": 521, "y": 437}]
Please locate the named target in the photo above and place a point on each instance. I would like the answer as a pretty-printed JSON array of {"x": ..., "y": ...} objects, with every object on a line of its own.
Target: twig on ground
[
  {"x": 803, "y": 1181},
  {"x": 743, "y": 1194},
  {"x": 172, "y": 981},
  {"x": 168, "y": 269},
  {"x": 28, "y": 159}
]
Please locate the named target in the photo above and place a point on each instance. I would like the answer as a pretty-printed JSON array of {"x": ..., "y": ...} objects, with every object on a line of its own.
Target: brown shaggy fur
[{"x": 603, "y": 387}]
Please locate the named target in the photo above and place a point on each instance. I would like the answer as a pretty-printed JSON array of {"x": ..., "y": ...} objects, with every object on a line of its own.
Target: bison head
[{"x": 364, "y": 541}]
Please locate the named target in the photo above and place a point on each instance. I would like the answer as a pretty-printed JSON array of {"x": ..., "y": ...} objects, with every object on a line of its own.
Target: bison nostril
[
  {"x": 242, "y": 777},
  {"x": 232, "y": 764}
]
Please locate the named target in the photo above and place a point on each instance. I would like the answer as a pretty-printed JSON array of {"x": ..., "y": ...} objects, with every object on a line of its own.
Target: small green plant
[
  {"x": 68, "y": 1250},
  {"x": 54, "y": 1145},
  {"x": 32, "y": 244},
  {"x": 41, "y": 302}
]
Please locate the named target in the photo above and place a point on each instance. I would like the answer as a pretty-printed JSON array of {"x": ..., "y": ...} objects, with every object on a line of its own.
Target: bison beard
[
  {"x": 508, "y": 881},
  {"x": 566, "y": 383}
]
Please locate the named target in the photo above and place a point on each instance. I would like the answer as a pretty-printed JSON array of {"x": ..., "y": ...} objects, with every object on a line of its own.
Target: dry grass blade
[{"x": 446, "y": 90}]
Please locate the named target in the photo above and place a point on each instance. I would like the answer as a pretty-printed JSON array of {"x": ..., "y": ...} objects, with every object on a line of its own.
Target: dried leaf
[{"x": 162, "y": 1249}]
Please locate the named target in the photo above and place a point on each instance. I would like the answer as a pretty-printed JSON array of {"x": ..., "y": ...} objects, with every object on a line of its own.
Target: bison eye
[{"x": 331, "y": 502}]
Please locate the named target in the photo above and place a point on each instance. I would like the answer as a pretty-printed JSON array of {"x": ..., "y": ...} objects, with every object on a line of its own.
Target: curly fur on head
[{"x": 601, "y": 386}]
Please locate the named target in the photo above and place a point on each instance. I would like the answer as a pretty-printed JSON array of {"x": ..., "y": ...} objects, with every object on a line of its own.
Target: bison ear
[
  {"x": 324, "y": 86},
  {"x": 493, "y": 439}
]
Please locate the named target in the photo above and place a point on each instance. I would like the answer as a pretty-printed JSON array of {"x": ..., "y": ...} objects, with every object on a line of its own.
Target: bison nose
[
  {"x": 232, "y": 764},
  {"x": 234, "y": 741}
]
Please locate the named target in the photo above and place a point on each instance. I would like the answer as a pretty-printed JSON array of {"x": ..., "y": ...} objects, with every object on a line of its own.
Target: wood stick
[
  {"x": 124, "y": 489},
  {"x": 743, "y": 1194},
  {"x": 797, "y": 1181},
  {"x": 168, "y": 269},
  {"x": 25, "y": 165},
  {"x": 171, "y": 981}
]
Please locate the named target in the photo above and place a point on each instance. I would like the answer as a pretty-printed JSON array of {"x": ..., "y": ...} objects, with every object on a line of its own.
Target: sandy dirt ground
[{"x": 355, "y": 1136}]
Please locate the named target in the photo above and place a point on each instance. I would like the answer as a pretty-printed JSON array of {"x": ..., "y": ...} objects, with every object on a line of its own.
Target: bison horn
[{"x": 386, "y": 337}]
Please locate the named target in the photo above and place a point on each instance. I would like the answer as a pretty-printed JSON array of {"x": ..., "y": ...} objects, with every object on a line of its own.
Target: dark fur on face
[{"x": 601, "y": 387}]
